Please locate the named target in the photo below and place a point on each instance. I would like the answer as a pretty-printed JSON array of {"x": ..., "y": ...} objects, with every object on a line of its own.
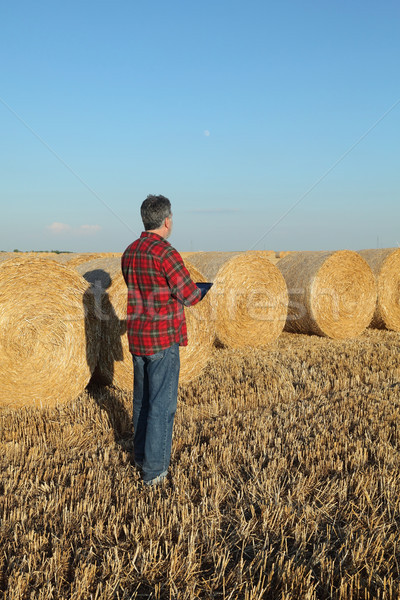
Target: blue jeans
[{"x": 155, "y": 394}]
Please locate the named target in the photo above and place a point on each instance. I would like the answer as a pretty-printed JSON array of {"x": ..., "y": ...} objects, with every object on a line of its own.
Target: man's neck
[{"x": 161, "y": 232}]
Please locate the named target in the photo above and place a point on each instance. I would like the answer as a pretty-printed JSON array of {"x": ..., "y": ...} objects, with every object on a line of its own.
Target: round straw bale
[
  {"x": 331, "y": 294},
  {"x": 48, "y": 334},
  {"x": 195, "y": 356},
  {"x": 273, "y": 259},
  {"x": 269, "y": 254},
  {"x": 73, "y": 259},
  {"x": 283, "y": 253},
  {"x": 111, "y": 255},
  {"x": 59, "y": 257},
  {"x": 77, "y": 258},
  {"x": 265, "y": 253},
  {"x": 115, "y": 361},
  {"x": 6, "y": 256},
  {"x": 186, "y": 255},
  {"x": 248, "y": 299},
  {"x": 80, "y": 258},
  {"x": 385, "y": 264},
  {"x": 209, "y": 263}
]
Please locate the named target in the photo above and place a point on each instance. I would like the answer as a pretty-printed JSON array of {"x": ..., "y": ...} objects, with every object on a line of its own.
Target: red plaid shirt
[{"x": 159, "y": 285}]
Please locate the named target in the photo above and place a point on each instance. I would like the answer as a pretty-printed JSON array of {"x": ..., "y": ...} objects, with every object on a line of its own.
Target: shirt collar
[{"x": 155, "y": 236}]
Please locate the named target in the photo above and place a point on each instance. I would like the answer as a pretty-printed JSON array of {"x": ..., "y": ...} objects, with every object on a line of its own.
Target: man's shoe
[{"x": 157, "y": 480}]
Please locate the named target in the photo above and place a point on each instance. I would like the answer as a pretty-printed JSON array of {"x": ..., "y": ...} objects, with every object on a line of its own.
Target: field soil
[{"x": 284, "y": 484}]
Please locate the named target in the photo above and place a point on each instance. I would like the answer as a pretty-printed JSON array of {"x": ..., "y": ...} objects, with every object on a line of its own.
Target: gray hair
[{"x": 154, "y": 210}]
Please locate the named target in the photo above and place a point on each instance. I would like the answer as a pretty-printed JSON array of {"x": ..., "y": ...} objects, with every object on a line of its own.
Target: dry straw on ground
[
  {"x": 331, "y": 293},
  {"x": 48, "y": 334},
  {"x": 115, "y": 360},
  {"x": 248, "y": 298},
  {"x": 385, "y": 264},
  {"x": 284, "y": 484}
]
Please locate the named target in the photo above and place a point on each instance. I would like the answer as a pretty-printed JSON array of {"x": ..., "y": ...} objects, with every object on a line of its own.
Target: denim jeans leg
[
  {"x": 163, "y": 376},
  {"x": 140, "y": 407}
]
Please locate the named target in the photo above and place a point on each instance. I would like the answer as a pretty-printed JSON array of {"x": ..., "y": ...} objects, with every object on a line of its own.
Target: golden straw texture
[
  {"x": 6, "y": 256},
  {"x": 385, "y": 264},
  {"x": 59, "y": 257},
  {"x": 248, "y": 299},
  {"x": 331, "y": 294},
  {"x": 73, "y": 259},
  {"x": 283, "y": 253},
  {"x": 79, "y": 259},
  {"x": 195, "y": 356},
  {"x": 115, "y": 361},
  {"x": 48, "y": 334}
]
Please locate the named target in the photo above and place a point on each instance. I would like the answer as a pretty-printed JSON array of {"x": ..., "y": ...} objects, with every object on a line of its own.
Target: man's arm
[
  {"x": 125, "y": 266},
  {"x": 180, "y": 283}
]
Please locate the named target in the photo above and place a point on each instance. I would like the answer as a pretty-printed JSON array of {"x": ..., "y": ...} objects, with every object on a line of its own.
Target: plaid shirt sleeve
[{"x": 179, "y": 281}]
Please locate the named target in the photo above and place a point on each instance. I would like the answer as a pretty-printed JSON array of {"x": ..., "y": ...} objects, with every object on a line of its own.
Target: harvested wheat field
[{"x": 285, "y": 484}]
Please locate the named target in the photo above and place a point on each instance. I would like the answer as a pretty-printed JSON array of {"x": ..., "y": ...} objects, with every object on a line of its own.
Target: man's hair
[{"x": 154, "y": 210}]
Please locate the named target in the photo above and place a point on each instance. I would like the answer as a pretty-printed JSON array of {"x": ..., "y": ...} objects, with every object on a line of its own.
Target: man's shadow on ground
[{"x": 113, "y": 402}]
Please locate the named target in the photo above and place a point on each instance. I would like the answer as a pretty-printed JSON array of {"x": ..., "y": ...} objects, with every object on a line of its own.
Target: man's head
[{"x": 156, "y": 215}]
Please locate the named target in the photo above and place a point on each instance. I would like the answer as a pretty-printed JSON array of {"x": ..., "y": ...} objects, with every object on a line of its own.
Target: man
[{"x": 159, "y": 285}]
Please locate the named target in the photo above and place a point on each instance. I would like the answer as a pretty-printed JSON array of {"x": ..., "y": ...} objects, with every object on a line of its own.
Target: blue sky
[{"x": 269, "y": 125}]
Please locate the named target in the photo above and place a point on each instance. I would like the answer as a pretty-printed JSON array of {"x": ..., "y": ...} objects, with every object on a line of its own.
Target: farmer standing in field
[{"x": 159, "y": 285}]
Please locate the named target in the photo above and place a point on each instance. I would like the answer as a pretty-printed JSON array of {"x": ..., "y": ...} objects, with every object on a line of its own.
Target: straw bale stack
[
  {"x": 248, "y": 299},
  {"x": 115, "y": 361},
  {"x": 49, "y": 340},
  {"x": 331, "y": 294},
  {"x": 385, "y": 264}
]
